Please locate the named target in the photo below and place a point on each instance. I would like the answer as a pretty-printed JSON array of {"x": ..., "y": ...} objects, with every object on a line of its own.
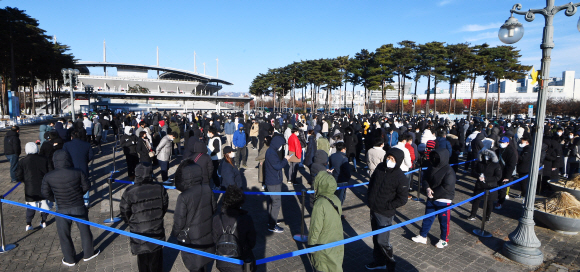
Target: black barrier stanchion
[
  {"x": 481, "y": 232},
  {"x": 4, "y": 248},
  {"x": 420, "y": 180},
  {"x": 111, "y": 219},
  {"x": 302, "y": 237}
]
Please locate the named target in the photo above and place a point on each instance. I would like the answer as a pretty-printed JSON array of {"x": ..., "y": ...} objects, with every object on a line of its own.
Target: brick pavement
[{"x": 39, "y": 250}]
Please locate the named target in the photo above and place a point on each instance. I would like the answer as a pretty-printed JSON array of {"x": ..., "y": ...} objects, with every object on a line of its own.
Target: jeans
[
  {"x": 381, "y": 242},
  {"x": 164, "y": 166},
  {"x": 13, "y": 165},
  {"x": 293, "y": 172},
  {"x": 444, "y": 218},
  {"x": 341, "y": 193},
  {"x": 63, "y": 229},
  {"x": 104, "y": 135},
  {"x": 86, "y": 198},
  {"x": 241, "y": 156},
  {"x": 254, "y": 141},
  {"x": 275, "y": 204},
  {"x": 150, "y": 262}
]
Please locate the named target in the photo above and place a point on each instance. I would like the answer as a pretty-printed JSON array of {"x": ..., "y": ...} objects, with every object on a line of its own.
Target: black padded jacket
[{"x": 65, "y": 185}]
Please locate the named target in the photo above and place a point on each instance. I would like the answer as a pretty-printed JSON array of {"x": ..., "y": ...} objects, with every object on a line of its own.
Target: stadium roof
[{"x": 169, "y": 73}]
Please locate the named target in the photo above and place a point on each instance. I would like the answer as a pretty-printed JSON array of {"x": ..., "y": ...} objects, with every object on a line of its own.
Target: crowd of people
[{"x": 214, "y": 149}]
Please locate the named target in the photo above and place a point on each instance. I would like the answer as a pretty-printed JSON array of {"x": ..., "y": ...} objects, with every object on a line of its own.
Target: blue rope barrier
[
  {"x": 6, "y": 194},
  {"x": 133, "y": 235}
]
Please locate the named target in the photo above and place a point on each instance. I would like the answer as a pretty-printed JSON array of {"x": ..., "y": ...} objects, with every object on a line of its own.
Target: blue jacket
[
  {"x": 339, "y": 162},
  {"x": 81, "y": 154},
  {"x": 273, "y": 166},
  {"x": 392, "y": 139},
  {"x": 230, "y": 175},
  {"x": 443, "y": 143},
  {"x": 239, "y": 137},
  {"x": 229, "y": 128}
]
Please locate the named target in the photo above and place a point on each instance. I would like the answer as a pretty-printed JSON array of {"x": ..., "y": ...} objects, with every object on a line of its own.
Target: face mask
[
  {"x": 391, "y": 164},
  {"x": 486, "y": 158},
  {"x": 504, "y": 145},
  {"x": 559, "y": 133},
  {"x": 280, "y": 149},
  {"x": 417, "y": 131},
  {"x": 571, "y": 136},
  {"x": 523, "y": 145},
  {"x": 232, "y": 155}
]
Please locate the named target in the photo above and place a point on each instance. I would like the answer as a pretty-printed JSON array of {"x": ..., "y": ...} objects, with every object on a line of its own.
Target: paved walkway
[{"x": 39, "y": 250}]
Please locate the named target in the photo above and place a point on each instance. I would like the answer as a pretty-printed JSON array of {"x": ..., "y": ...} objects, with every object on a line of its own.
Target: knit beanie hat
[{"x": 31, "y": 148}]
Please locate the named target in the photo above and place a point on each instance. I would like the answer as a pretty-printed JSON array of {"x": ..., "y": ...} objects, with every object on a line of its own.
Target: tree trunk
[
  {"x": 428, "y": 95},
  {"x": 450, "y": 94},
  {"x": 498, "y": 97},
  {"x": 383, "y": 108},
  {"x": 455, "y": 100},
  {"x": 366, "y": 100},
  {"x": 415, "y": 104},
  {"x": 293, "y": 98},
  {"x": 352, "y": 100},
  {"x": 434, "y": 97},
  {"x": 402, "y": 97},
  {"x": 486, "y": 93},
  {"x": 471, "y": 100}
]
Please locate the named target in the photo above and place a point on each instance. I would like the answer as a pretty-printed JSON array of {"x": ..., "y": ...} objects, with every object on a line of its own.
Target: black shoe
[
  {"x": 277, "y": 229},
  {"x": 375, "y": 266}
]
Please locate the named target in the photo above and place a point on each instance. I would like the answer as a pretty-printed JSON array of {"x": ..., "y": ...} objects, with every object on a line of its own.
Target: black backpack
[{"x": 227, "y": 244}]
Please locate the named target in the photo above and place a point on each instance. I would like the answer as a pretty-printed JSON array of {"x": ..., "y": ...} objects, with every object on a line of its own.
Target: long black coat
[
  {"x": 143, "y": 151},
  {"x": 351, "y": 141},
  {"x": 194, "y": 210},
  {"x": 553, "y": 158},
  {"x": 143, "y": 207},
  {"x": 31, "y": 169},
  {"x": 204, "y": 160},
  {"x": 12, "y": 143},
  {"x": 65, "y": 184}
]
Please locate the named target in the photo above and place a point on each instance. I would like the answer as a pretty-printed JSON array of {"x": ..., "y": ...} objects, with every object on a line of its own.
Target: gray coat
[{"x": 164, "y": 149}]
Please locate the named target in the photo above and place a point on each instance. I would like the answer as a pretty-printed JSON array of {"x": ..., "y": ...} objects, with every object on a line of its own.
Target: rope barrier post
[
  {"x": 5, "y": 248},
  {"x": 420, "y": 180},
  {"x": 111, "y": 219},
  {"x": 481, "y": 232},
  {"x": 301, "y": 237}
]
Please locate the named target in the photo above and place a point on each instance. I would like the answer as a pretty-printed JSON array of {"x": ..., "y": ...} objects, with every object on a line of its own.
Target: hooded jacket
[
  {"x": 12, "y": 143},
  {"x": 350, "y": 140},
  {"x": 143, "y": 206},
  {"x": 319, "y": 163},
  {"x": 388, "y": 187},
  {"x": 42, "y": 136},
  {"x": 31, "y": 169},
  {"x": 339, "y": 162},
  {"x": 62, "y": 132},
  {"x": 273, "y": 165},
  {"x": 204, "y": 160},
  {"x": 326, "y": 224},
  {"x": 375, "y": 156},
  {"x": 239, "y": 140},
  {"x": 488, "y": 165},
  {"x": 65, "y": 184},
  {"x": 194, "y": 209},
  {"x": 310, "y": 150},
  {"x": 440, "y": 177},
  {"x": 164, "y": 149}
]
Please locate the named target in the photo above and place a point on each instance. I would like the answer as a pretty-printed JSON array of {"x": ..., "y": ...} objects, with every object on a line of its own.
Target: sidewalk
[{"x": 39, "y": 250}]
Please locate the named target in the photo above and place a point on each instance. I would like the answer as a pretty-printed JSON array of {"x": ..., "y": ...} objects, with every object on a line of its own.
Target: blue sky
[{"x": 249, "y": 37}]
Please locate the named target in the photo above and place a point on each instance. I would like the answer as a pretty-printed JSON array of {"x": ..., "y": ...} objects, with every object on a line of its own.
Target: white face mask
[
  {"x": 503, "y": 145},
  {"x": 571, "y": 136},
  {"x": 559, "y": 133},
  {"x": 280, "y": 149},
  {"x": 391, "y": 164},
  {"x": 232, "y": 155},
  {"x": 522, "y": 145}
]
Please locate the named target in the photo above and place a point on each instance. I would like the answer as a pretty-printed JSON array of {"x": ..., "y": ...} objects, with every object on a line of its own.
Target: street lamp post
[
  {"x": 70, "y": 77},
  {"x": 89, "y": 89},
  {"x": 523, "y": 246}
]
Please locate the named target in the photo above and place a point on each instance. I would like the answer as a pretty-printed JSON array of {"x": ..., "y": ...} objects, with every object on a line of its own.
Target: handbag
[{"x": 183, "y": 235}]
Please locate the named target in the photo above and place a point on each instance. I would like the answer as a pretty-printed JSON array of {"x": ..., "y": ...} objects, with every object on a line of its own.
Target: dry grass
[
  {"x": 562, "y": 204},
  {"x": 573, "y": 183}
]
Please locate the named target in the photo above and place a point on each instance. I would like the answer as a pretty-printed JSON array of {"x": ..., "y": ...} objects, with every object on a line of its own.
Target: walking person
[
  {"x": 12, "y": 150},
  {"x": 273, "y": 177},
  {"x": 143, "y": 206},
  {"x": 326, "y": 224},
  {"x": 439, "y": 181},
  {"x": 388, "y": 190},
  {"x": 81, "y": 154},
  {"x": 67, "y": 185},
  {"x": 164, "y": 153},
  {"x": 194, "y": 210},
  {"x": 31, "y": 170}
]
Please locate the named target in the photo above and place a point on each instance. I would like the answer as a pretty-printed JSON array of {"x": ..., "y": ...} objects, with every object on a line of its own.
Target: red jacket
[
  {"x": 294, "y": 145},
  {"x": 411, "y": 150}
]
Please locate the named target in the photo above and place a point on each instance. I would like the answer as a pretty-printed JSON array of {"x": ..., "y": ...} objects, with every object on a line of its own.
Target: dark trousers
[
  {"x": 150, "y": 262},
  {"x": 214, "y": 175},
  {"x": 164, "y": 166},
  {"x": 260, "y": 144},
  {"x": 489, "y": 205},
  {"x": 502, "y": 192},
  {"x": 132, "y": 161},
  {"x": 98, "y": 142},
  {"x": 381, "y": 242},
  {"x": 30, "y": 215},
  {"x": 241, "y": 156},
  {"x": 293, "y": 171},
  {"x": 524, "y": 184},
  {"x": 254, "y": 141},
  {"x": 63, "y": 229},
  {"x": 275, "y": 204},
  {"x": 13, "y": 165},
  {"x": 444, "y": 218}
]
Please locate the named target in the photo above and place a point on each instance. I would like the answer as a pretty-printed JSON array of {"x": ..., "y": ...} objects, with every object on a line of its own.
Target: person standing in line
[
  {"x": 295, "y": 151},
  {"x": 12, "y": 150},
  {"x": 273, "y": 177},
  {"x": 214, "y": 146},
  {"x": 509, "y": 159},
  {"x": 261, "y": 158},
  {"x": 341, "y": 168},
  {"x": 255, "y": 129},
  {"x": 229, "y": 129},
  {"x": 129, "y": 145},
  {"x": 88, "y": 126},
  {"x": 439, "y": 181},
  {"x": 67, "y": 185},
  {"x": 164, "y": 152},
  {"x": 375, "y": 155},
  {"x": 239, "y": 143},
  {"x": 230, "y": 175},
  {"x": 81, "y": 154},
  {"x": 490, "y": 174},
  {"x": 105, "y": 124},
  {"x": 98, "y": 132},
  {"x": 194, "y": 210},
  {"x": 143, "y": 206},
  {"x": 31, "y": 170},
  {"x": 388, "y": 190},
  {"x": 144, "y": 148}
]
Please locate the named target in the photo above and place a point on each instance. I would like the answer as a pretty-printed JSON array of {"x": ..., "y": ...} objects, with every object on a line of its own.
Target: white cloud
[
  {"x": 475, "y": 28},
  {"x": 482, "y": 36},
  {"x": 444, "y": 2}
]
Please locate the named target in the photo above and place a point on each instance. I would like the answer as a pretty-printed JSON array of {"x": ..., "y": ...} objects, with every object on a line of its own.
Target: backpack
[{"x": 227, "y": 244}]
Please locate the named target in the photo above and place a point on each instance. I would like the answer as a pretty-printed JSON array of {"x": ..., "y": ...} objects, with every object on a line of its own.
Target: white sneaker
[
  {"x": 67, "y": 264},
  {"x": 507, "y": 197},
  {"x": 43, "y": 225},
  {"x": 29, "y": 227},
  {"x": 441, "y": 244},
  {"x": 420, "y": 239},
  {"x": 95, "y": 255}
]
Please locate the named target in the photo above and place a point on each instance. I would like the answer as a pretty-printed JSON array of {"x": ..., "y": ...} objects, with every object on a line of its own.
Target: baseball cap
[{"x": 504, "y": 139}]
